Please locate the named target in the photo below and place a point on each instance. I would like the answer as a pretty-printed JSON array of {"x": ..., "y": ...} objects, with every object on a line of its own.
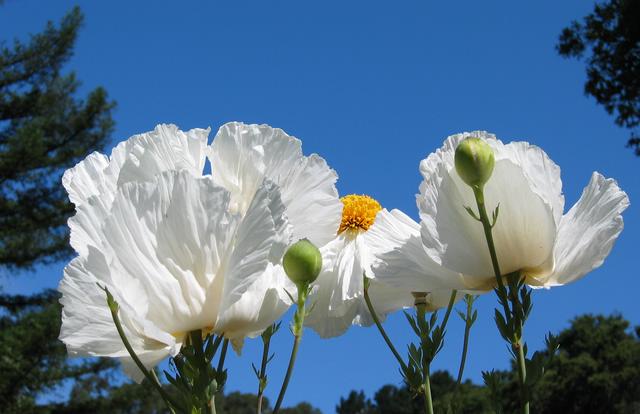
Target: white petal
[
  {"x": 313, "y": 206},
  {"x": 139, "y": 158},
  {"x": 338, "y": 301},
  {"x": 174, "y": 237},
  {"x": 542, "y": 173},
  {"x": 87, "y": 325},
  {"x": 242, "y": 156},
  {"x": 399, "y": 258},
  {"x": 248, "y": 268},
  {"x": 525, "y": 231},
  {"x": 588, "y": 231},
  {"x": 149, "y": 359},
  {"x": 166, "y": 148},
  {"x": 263, "y": 303},
  {"x": 88, "y": 179},
  {"x": 93, "y": 182}
]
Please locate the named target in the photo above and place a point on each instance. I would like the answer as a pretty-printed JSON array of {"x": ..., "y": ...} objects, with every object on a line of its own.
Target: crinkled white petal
[
  {"x": 242, "y": 156},
  {"x": 588, "y": 231},
  {"x": 338, "y": 301},
  {"x": 166, "y": 148},
  {"x": 540, "y": 171},
  {"x": 176, "y": 260},
  {"x": 525, "y": 231},
  {"x": 93, "y": 182},
  {"x": 174, "y": 236},
  {"x": 263, "y": 303},
  {"x": 87, "y": 325},
  {"x": 88, "y": 179},
  {"x": 400, "y": 260},
  {"x": 313, "y": 206},
  {"x": 249, "y": 273}
]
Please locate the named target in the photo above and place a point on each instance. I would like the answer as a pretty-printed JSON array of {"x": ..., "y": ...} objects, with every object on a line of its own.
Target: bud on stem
[
  {"x": 302, "y": 263},
  {"x": 474, "y": 162}
]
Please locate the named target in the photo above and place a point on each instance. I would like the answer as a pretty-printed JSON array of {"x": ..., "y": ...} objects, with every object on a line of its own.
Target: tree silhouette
[
  {"x": 609, "y": 40},
  {"x": 44, "y": 129}
]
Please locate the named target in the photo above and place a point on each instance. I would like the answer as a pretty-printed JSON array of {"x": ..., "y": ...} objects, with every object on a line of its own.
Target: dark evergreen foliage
[{"x": 44, "y": 129}]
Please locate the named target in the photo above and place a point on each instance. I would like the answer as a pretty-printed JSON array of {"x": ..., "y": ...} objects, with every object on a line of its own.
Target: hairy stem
[
  {"x": 465, "y": 345},
  {"x": 452, "y": 299},
  {"x": 512, "y": 295},
  {"x": 114, "y": 307},
  {"x": 522, "y": 377},
  {"x": 421, "y": 310},
  {"x": 428, "y": 401},
  {"x": 386, "y": 338},
  {"x": 297, "y": 328},
  {"x": 263, "y": 372}
]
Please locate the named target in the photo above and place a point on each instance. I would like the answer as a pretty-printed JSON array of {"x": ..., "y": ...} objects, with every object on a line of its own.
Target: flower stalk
[
  {"x": 512, "y": 323},
  {"x": 374, "y": 315},
  {"x": 469, "y": 318},
  {"x": 114, "y": 308},
  {"x": 474, "y": 162},
  {"x": 262, "y": 374},
  {"x": 431, "y": 342},
  {"x": 296, "y": 329},
  {"x": 421, "y": 310}
]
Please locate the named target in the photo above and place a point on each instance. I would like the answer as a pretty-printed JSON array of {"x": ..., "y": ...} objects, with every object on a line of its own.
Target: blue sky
[{"x": 373, "y": 87}]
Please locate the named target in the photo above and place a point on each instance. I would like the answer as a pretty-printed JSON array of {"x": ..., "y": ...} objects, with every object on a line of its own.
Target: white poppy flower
[
  {"x": 171, "y": 247},
  {"x": 531, "y": 235},
  {"x": 338, "y": 297}
]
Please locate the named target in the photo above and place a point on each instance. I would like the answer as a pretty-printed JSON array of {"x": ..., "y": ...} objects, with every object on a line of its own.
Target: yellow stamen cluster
[{"x": 359, "y": 212}]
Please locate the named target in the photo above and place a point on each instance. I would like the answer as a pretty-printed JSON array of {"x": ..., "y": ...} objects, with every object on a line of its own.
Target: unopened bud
[
  {"x": 302, "y": 262},
  {"x": 474, "y": 161}
]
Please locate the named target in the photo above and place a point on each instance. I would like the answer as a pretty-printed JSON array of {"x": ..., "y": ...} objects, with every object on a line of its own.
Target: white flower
[
  {"x": 338, "y": 297},
  {"x": 180, "y": 250},
  {"x": 532, "y": 235}
]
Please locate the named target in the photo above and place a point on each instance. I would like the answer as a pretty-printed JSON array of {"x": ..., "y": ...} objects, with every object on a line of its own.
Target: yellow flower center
[{"x": 359, "y": 212}]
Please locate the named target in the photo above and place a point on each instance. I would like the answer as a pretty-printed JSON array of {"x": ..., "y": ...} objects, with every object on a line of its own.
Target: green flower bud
[
  {"x": 302, "y": 262},
  {"x": 474, "y": 161}
]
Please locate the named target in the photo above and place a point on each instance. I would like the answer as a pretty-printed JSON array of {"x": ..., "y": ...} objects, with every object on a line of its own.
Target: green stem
[
  {"x": 372, "y": 311},
  {"x": 449, "y": 309},
  {"x": 522, "y": 376},
  {"x": 212, "y": 405},
  {"x": 297, "y": 328},
  {"x": 428, "y": 402},
  {"x": 486, "y": 225},
  {"x": 421, "y": 310},
  {"x": 465, "y": 346},
  {"x": 512, "y": 295},
  {"x": 114, "y": 307},
  {"x": 263, "y": 372},
  {"x": 196, "y": 342}
]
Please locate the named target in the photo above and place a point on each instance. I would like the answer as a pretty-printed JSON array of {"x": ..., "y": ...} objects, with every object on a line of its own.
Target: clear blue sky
[{"x": 373, "y": 87}]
